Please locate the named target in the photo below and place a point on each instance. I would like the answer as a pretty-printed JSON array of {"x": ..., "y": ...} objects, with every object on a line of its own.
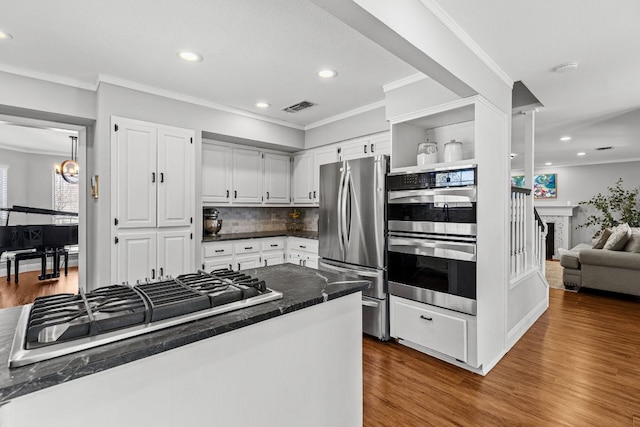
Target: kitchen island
[{"x": 294, "y": 361}]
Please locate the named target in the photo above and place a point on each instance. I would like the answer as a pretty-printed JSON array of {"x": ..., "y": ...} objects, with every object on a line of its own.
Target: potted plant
[{"x": 618, "y": 207}]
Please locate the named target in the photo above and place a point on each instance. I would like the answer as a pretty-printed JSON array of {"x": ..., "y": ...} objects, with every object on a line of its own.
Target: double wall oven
[{"x": 431, "y": 243}]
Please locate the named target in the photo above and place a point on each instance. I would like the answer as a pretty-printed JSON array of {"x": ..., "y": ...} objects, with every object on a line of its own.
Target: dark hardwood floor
[
  {"x": 29, "y": 287},
  {"x": 579, "y": 365}
]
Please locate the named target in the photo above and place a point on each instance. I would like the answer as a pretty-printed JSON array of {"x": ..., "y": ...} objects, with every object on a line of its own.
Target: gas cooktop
[{"x": 57, "y": 325}]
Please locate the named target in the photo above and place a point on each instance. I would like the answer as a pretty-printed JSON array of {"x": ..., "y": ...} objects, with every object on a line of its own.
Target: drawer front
[
  {"x": 304, "y": 245},
  {"x": 415, "y": 322},
  {"x": 218, "y": 263},
  {"x": 272, "y": 244},
  {"x": 217, "y": 249},
  {"x": 247, "y": 247}
]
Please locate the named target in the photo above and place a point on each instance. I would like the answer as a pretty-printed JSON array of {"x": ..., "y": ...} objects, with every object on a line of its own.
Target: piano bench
[{"x": 17, "y": 256}]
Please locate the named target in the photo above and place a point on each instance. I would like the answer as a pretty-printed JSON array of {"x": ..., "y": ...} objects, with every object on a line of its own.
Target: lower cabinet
[
  {"x": 303, "y": 252},
  {"x": 433, "y": 328},
  {"x": 150, "y": 254},
  {"x": 243, "y": 254}
]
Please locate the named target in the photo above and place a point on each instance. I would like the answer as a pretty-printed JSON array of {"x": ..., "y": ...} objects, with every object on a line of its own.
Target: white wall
[{"x": 580, "y": 183}]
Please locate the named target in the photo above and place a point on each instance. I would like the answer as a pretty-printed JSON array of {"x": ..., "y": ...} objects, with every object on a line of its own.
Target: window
[
  {"x": 3, "y": 192},
  {"x": 65, "y": 198}
]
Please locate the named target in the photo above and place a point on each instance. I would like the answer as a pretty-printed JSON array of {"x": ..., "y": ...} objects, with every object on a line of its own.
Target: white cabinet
[
  {"x": 456, "y": 120},
  {"x": 302, "y": 252},
  {"x": 373, "y": 145},
  {"x": 429, "y": 327},
  {"x": 306, "y": 174},
  {"x": 233, "y": 174},
  {"x": 303, "y": 179},
  {"x": 321, "y": 157},
  {"x": 243, "y": 254},
  {"x": 216, "y": 173},
  {"x": 152, "y": 202},
  {"x": 246, "y": 175},
  {"x": 153, "y": 167},
  {"x": 277, "y": 178},
  {"x": 149, "y": 254},
  {"x": 174, "y": 252}
]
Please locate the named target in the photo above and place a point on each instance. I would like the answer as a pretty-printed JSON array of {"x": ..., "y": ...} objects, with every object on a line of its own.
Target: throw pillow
[
  {"x": 633, "y": 245},
  {"x": 604, "y": 235},
  {"x": 618, "y": 238}
]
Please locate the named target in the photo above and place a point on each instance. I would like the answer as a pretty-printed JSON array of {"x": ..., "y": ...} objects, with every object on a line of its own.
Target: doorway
[{"x": 31, "y": 154}]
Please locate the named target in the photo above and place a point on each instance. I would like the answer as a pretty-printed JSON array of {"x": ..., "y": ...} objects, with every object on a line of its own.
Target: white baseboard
[{"x": 514, "y": 335}]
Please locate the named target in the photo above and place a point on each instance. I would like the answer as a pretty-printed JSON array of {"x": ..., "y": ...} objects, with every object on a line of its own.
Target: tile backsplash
[{"x": 247, "y": 220}]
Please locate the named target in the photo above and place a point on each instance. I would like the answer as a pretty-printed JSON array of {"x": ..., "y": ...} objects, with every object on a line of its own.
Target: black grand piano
[{"x": 37, "y": 241}]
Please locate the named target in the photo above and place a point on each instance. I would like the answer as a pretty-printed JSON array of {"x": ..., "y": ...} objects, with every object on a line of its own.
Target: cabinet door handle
[
  {"x": 372, "y": 148},
  {"x": 274, "y": 245},
  {"x": 161, "y": 271},
  {"x": 238, "y": 266},
  {"x": 161, "y": 177},
  {"x": 365, "y": 148},
  {"x": 302, "y": 246},
  {"x": 314, "y": 194},
  {"x": 265, "y": 262},
  {"x": 267, "y": 195},
  {"x": 153, "y": 273},
  {"x": 249, "y": 247},
  {"x": 219, "y": 250},
  {"x": 230, "y": 267},
  {"x": 304, "y": 262},
  {"x": 426, "y": 318},
  {"x": 309, "y": 194},
  {"x": 227, "y": 194},
  {"x": 235, "y": 194},
  {"x": 153, "y": 177}
]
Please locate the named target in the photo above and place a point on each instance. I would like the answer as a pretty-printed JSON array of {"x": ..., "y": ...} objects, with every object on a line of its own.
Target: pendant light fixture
[{"x": 69, "y": 168}]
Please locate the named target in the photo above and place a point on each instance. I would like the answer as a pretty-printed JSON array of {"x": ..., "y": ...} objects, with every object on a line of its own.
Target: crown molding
[
  {"x": 52, "y": 78},
  {"x": 345, "y": 115},
  {"x": 404, "y": 81},
  {"x": 462, "y": 35},
  {"x": 104, "y": 78}
]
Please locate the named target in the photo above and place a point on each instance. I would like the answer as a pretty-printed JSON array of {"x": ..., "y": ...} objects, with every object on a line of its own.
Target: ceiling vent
[
  {"x": 604, "y": 148},
  {"x": 298, "y": 107}
]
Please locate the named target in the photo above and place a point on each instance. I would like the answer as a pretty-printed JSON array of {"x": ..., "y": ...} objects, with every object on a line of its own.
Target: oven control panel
[{"x": 432, "y": 179}]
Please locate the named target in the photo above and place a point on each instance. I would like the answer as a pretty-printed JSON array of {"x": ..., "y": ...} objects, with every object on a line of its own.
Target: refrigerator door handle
[
  {"x": 339, "y": 208},
  {"x": 359, "y": 272},
  {"x": 347, "y": 198}
]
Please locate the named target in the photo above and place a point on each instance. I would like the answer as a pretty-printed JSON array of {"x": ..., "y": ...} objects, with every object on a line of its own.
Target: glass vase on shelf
[{"x": 296, "y": 223}]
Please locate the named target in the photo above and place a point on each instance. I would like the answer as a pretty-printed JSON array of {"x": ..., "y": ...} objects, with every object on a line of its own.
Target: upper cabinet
[
  {"x": 246, "y": 175},
  {"x": 216, "y": 173},
  {"x": 457, "y": 121},
  {"x": 306, "y": 174},
  {"x": 277, "y": 178},
  {"x": 374, "y": 145},
  {"x": 241, "y": 175},
  {"x": 152, "y": 171}
]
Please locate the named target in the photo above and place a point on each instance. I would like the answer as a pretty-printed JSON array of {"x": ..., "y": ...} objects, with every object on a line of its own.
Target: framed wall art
[{"x": 545, "y": 186}]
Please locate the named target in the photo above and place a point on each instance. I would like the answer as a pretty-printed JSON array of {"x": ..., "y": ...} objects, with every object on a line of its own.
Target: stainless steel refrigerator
[{"x": 352, "y": 231}]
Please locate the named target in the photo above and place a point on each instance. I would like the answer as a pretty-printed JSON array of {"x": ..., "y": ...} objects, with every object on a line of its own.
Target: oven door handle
[
  {"x": 434, "y": 195},
  {"x": 448, "y": 250}
]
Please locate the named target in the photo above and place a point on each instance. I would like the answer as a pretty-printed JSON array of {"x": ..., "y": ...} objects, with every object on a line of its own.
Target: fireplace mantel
[
  {"x": 560, "y": 215},
  {"x": 555, "y": 210}
]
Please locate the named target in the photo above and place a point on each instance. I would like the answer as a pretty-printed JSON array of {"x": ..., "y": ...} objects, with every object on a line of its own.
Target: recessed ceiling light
[
  {"x": 565, "y": 138},
  {"x": 566, "y": 67},
  {"x": 548, "y": 164},
  {"x": 189, "y": 56},
  {"x": 327, "y": 74},
  {"x": 5, "y": 36},
  {"x": 582, "y": 153},
  {"x": 262, "y": 104}
]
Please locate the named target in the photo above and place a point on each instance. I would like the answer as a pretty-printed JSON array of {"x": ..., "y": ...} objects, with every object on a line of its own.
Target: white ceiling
[{"x": 270, "y": 50}]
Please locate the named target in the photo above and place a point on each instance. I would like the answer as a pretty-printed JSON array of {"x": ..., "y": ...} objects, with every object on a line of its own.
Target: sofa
[{"x": 605, "y": 264}]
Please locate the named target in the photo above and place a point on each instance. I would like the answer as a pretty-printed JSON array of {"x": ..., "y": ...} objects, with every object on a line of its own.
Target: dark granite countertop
[
  {"x": 260, "y": 234},
  {"x": 301, "y": 287}
]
